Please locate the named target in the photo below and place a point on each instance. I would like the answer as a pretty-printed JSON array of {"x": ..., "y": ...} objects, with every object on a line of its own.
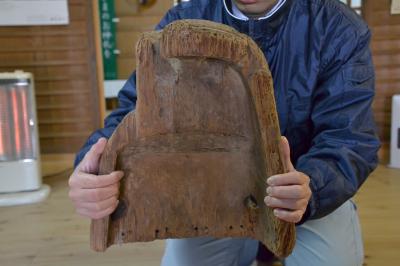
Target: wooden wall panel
[
  {"x": 133, "y": 21},
  {"x": 63, "y": 61},
  {"x": 385, "y": 47}
]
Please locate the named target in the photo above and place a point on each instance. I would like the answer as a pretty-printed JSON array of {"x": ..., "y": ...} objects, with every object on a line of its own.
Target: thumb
[
  {"x": 90, "y": 163},
  {"x": 285, "y": 149}
]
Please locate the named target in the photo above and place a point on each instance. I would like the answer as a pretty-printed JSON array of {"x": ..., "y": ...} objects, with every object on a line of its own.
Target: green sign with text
[{"x": 108, "y": 38}]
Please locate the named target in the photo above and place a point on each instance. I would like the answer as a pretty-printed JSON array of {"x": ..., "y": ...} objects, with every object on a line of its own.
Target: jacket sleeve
[
  {"x": 344, "y": 146},
  {"x": 126, "y": 102}
]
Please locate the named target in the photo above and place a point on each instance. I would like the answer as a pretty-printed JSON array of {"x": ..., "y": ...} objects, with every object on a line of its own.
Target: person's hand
[
  {"x": 288, "y": 193},
  {"x": 94, "y": 196}
]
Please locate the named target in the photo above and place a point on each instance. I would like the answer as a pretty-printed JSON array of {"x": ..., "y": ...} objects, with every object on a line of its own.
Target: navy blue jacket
[{"x": 319, "y": 56}]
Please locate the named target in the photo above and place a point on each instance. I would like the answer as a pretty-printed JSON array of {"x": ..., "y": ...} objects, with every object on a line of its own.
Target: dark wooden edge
[
  {"x": 263, "y": 96},
  {"x": 124, "y": 134}
]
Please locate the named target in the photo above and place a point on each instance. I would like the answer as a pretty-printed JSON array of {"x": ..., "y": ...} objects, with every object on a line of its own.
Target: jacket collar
[
  {"x": 236, "y": 13},
  {"x": 257, "y": 29}
]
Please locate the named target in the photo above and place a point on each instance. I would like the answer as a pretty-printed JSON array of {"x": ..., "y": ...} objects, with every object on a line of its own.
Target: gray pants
[{"x": 334, "y": 240}]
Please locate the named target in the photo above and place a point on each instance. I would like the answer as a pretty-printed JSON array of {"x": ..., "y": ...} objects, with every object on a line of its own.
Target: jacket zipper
[{"x": 251, "y": 27}]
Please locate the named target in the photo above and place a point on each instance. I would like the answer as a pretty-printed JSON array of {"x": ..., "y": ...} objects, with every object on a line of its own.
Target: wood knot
[{"x": 251, "y": 202}]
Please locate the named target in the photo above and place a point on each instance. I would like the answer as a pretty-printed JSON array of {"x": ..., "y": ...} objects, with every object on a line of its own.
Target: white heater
[
  {"x": 395, "y": 136},
  {"x": 20, "y": 176}
]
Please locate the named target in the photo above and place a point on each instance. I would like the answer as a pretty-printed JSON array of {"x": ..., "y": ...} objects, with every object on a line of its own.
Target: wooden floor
[{"x": 51, "y": 234}]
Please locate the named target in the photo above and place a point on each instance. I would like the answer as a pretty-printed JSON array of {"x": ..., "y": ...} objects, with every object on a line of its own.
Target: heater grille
[{"x": 17, "y": 120}]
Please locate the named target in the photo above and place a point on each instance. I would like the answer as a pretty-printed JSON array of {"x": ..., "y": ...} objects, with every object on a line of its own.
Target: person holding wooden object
[{"x": 324, "y": 86}]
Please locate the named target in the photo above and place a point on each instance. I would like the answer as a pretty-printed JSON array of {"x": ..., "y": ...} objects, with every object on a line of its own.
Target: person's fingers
[
  {"x": 84, "y": 180},
  {"x": 90, "y": 163},
  {"x": 288, "y": 192},
  {"x": 290, "y": 204},
  {"x": 96, "y": 215},
  {"x": 97, "y": 206},
  {"x": 97, "y": 149},
  {"x": 291, "y": 178},
  {"x": 93, "y": 195},
  {"x": 285, "y": 149},
  {"x": 289, "y": 216}
]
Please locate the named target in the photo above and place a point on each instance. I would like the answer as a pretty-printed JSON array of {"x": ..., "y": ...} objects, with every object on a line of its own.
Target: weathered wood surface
[{"x": 198, "y": 149}]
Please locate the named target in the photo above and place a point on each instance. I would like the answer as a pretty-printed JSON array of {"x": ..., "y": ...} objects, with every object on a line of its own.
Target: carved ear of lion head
[{"x": 200, "y": 145}]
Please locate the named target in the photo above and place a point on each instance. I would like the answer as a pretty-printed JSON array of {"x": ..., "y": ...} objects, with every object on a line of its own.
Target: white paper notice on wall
[
  {"x": 395, "y": 10},
  {"x": 33, "y": 12}
]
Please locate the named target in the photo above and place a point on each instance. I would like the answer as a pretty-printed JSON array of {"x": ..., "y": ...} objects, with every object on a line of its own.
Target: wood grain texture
[
  {"x": 67, "y": 82},
  {"x": 385, "y": 46},
  {"x": 134, "y": 20},
  {"x": 198, "y": 149},
  {"x": 51, "y": 233}
]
